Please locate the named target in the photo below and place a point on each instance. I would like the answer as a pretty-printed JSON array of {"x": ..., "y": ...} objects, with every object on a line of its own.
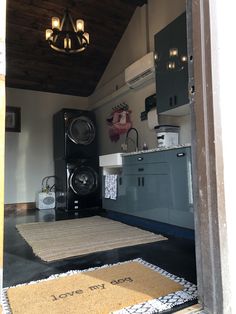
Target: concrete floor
[{"x": 175, "y": 255}]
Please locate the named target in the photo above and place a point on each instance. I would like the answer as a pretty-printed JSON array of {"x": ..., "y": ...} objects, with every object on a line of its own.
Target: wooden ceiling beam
[
  {"x": 30, "y": 61},
  {"x": 54, "y": 71},
  {"x": 51, "y": 57},
  {"x": 22, "y": 80},
  {"x": 77, "y": 90}
]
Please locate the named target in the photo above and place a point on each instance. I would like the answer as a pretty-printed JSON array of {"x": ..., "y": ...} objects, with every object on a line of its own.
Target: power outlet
[{"x": 124, "y": 147}]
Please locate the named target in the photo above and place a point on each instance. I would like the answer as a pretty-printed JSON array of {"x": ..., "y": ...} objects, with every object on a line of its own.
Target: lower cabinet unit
[
  {"x": 146, "y": 191},
  {"x": 156, "y": 185},
  {"x": 181, "y": 212}
]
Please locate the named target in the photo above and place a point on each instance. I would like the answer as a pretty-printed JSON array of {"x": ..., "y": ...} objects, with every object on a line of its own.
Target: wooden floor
[{"x": 191, "y": 309}]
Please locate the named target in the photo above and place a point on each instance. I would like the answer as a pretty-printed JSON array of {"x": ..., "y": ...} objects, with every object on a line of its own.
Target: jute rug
[
  {"x": 130, "y": 287},
  {"x": 53, "y": 241}
]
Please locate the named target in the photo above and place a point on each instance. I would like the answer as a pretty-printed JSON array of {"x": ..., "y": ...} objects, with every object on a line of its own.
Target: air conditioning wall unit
[{"x": 140, "y": 71}]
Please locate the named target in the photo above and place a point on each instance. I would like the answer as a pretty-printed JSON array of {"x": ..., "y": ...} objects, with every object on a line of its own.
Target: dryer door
[
  {"x": 81, "y": 130},
  {"x": 84, "y": 180}
]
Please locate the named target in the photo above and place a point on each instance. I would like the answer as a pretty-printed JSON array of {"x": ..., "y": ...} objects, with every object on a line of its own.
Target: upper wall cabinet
[{"x": 171, "y": 64}]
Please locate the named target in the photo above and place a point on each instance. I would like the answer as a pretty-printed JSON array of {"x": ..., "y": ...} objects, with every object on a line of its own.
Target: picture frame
[{"x": 13, "y": 119}]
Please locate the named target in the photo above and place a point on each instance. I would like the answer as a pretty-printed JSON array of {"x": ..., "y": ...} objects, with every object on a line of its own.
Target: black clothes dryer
[
  {"x": 77, "y": 184},
  {"x": 74, "y": 134}
]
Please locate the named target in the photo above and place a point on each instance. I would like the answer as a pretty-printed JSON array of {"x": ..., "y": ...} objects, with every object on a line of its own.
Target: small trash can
[{"x": 167, "y": 135}]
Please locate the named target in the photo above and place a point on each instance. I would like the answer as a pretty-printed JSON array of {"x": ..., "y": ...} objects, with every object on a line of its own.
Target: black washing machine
[
  {"x": 74, "y": 134},
  {"x": 77, "y": 184}
]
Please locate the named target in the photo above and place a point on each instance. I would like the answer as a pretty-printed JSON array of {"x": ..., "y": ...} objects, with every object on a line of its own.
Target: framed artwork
[{"x": 13, "y": 119}]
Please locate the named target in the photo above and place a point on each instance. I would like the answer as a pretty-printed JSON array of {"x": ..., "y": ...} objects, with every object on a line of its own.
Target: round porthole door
[
  {"x": 84, "y": 180},
  {"x": 81, "y": 130}
]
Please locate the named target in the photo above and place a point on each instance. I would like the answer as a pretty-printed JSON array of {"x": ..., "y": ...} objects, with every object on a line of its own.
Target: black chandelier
[{"x": 67, "y": 37}]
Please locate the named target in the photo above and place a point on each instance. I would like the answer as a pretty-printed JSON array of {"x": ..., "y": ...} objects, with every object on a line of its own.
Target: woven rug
[
  {"x": 53, "y": 241},
  {"x": 125, "y": 288}
]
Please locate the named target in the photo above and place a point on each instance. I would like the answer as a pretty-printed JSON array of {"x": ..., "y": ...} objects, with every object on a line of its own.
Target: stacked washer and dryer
[{"x": 75, "y": 160}]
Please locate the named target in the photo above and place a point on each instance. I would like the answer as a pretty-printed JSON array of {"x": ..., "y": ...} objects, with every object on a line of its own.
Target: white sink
[{"x": 111, "y": 160}]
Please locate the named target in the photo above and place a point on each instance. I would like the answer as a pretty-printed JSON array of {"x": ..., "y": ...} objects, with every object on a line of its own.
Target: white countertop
[{"x": 157, "y": 149}]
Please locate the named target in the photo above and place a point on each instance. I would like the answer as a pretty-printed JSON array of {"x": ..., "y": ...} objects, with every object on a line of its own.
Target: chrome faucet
[{"x": 127, "y": 136}]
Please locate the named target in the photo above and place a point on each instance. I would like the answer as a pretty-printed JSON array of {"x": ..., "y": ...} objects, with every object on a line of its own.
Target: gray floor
[{"x": 20, "y": 264}]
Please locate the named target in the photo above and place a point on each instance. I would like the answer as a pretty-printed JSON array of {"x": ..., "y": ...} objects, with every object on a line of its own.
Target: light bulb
[
  {"x": 173, "y": 52},
  {"x": 67, "y": 43},
  {"x": 171, "y": 65},
  {"x": 48, "y": 33},
  {"x": 86, "y": 35},
  {"x": 55, "y": 22},
  {"x": 184, "y": 58},
  {"x": 80, "y": 25}
]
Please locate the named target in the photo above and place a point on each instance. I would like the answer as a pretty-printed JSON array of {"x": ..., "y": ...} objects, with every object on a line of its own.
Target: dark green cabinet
[
  {"x": 181, "y": 211},
  {"x": 171, "y": 65},
  {"x": 156, "y": 186},
  {"x": 146, "y": 185}
]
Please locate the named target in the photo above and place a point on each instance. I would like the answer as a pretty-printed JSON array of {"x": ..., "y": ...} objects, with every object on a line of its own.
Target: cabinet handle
[
  {"x": 170, "y": 101},
  {"x": 139, "y": 181},
  {"x": 142, "y": 181},
  {"x": 180, "y": 154},
  {"x": 140, "y": 169},
  {"x": 120, "y": 181},
  {"x": 192, "y": 90},
  {"x": 175, "y": 100}
]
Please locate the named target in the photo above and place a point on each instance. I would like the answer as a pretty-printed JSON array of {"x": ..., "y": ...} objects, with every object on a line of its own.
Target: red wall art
[{"x": 119, "y": 121}]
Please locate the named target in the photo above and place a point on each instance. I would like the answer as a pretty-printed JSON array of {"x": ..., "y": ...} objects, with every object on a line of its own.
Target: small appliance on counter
[
  {"x": 167, "y": 135},
  {"x": 45, "y": 199}
]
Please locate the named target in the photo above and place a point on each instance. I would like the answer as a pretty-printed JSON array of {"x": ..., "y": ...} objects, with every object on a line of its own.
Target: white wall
[
  {"x": 138, "y": 39},
  {"x": 135, "y": 100},
  {"x": 131, "y": 47},
  {"x": 29, "y": 154},
  {"x": 161, "y": 13}
]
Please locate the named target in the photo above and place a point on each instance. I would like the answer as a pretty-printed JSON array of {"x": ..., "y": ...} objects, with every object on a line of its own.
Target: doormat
[
  {"x": 53, "y": 241},
  {"x": 124, "y": 288}
]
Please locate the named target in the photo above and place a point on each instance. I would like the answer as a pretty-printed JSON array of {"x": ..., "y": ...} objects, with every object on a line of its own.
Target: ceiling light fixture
[{"x": 67, "y": 37}]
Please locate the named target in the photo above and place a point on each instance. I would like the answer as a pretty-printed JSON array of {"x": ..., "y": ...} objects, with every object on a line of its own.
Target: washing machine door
[
  {"x": 84, "y": 180},
  {"x": 81, "y": 130}
]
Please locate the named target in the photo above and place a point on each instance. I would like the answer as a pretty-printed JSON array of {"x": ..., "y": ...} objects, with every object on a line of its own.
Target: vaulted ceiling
[{"x": 32, "y": 64}]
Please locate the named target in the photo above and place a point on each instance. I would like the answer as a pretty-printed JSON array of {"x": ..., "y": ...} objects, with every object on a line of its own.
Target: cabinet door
[
  {"x": 146, "y": 190},
  {"x": 181, "y": 214},
  {"x": 171, "y": 70},
  {"x": 132, "y": 184},
  {"x": 164, "y": 83},
  {"x": 179, "y": 40},
  {"x": 164, "y": 91},
  {"x": 154, "y": 201}
]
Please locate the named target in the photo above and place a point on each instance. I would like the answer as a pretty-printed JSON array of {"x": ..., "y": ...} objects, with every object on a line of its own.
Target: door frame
[
  {"x": 211, "y": 220},
  {"x": 2, "y": 128}
]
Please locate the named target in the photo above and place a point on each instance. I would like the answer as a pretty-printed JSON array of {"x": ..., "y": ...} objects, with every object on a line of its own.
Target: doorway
[{"x": 207, "y": 259}]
